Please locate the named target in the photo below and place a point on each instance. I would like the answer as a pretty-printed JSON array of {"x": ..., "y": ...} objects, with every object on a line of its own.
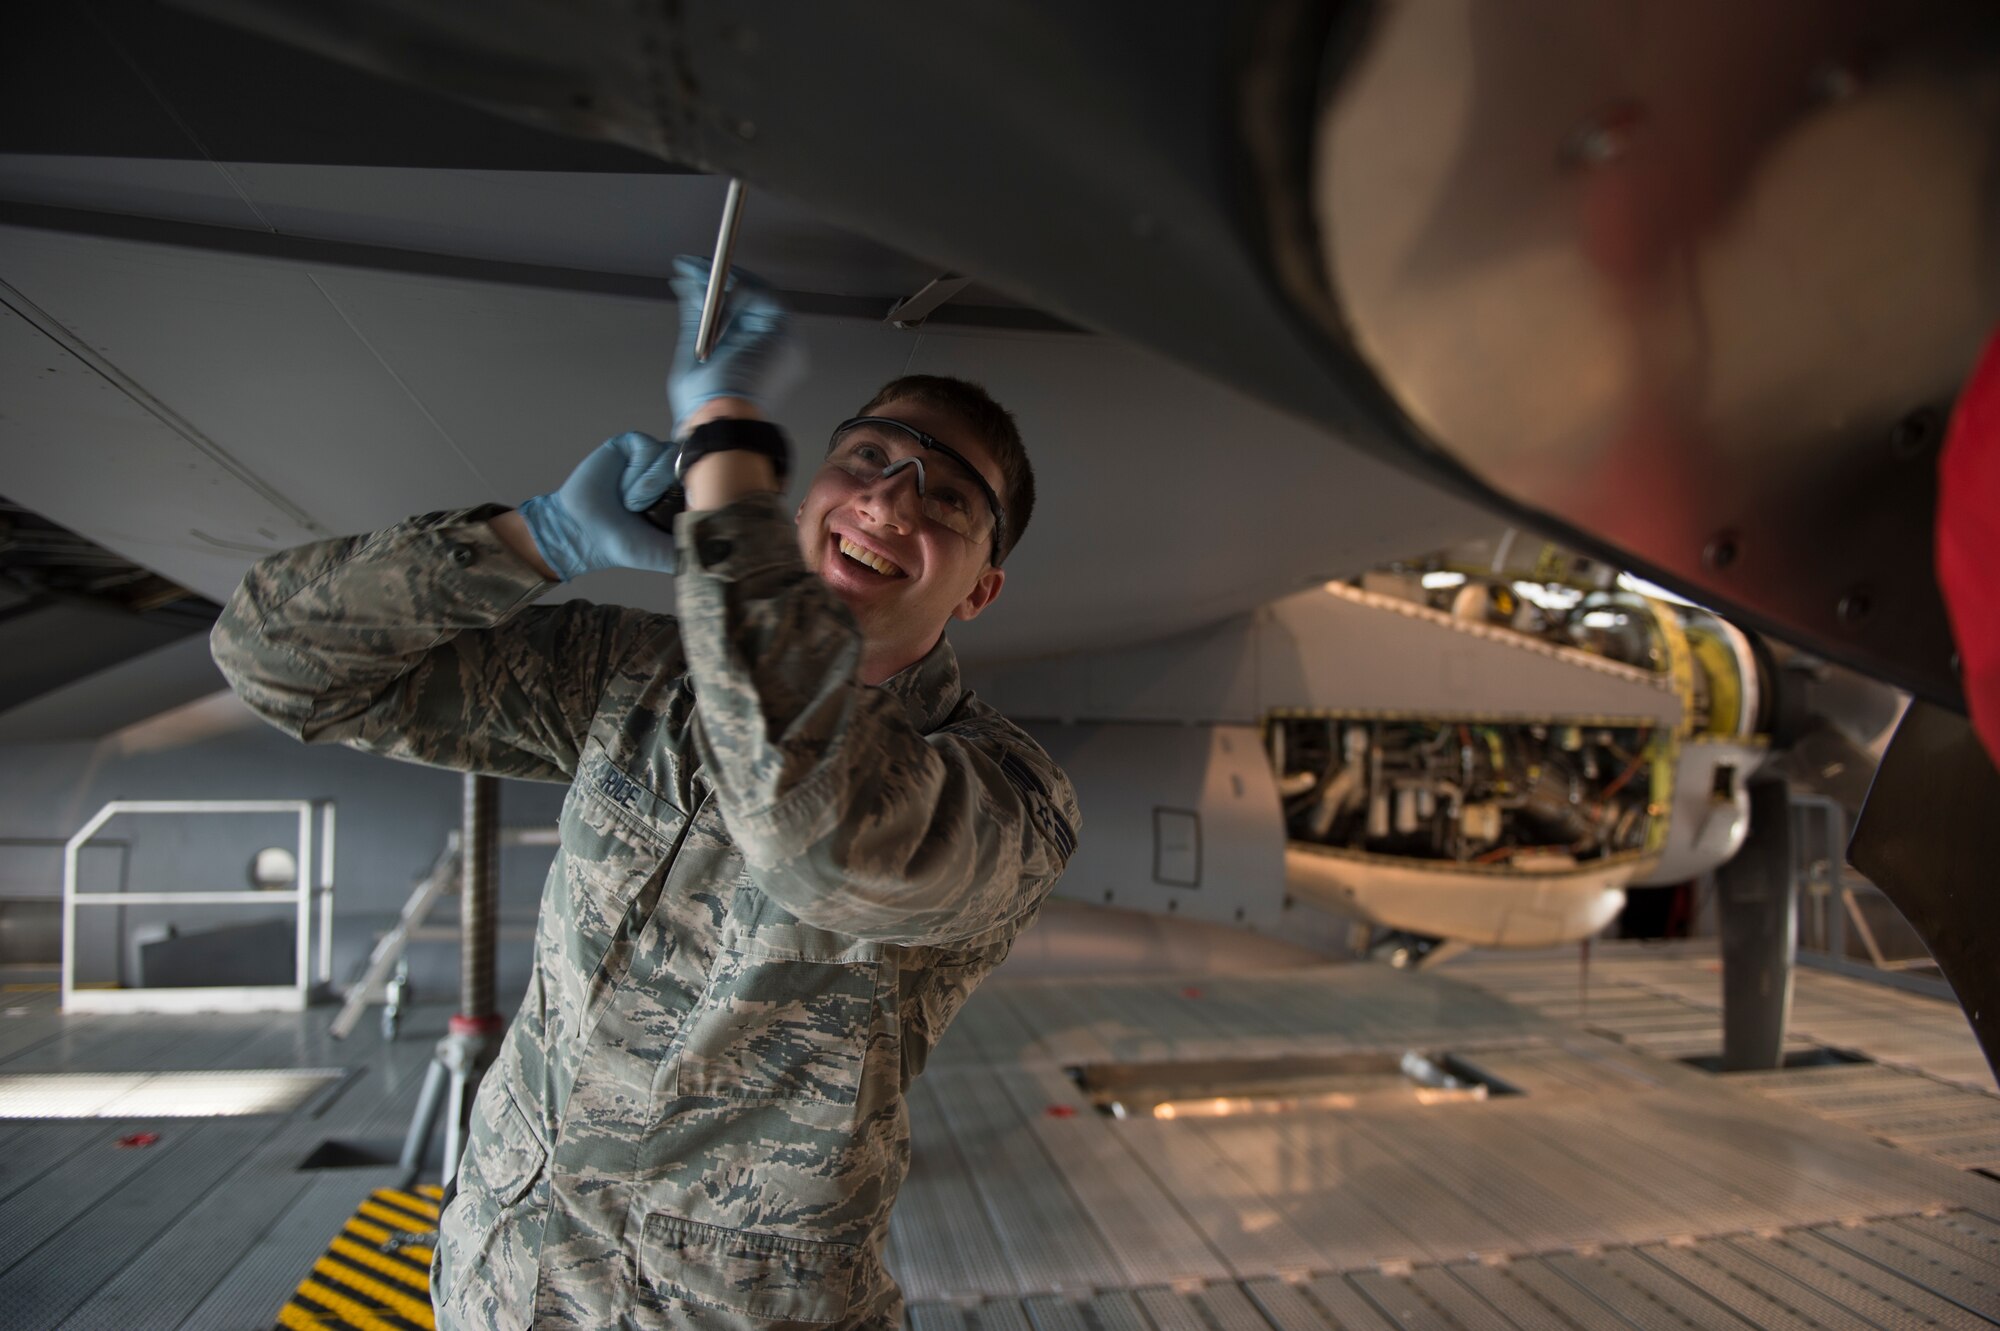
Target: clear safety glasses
[{"x": 953, "y": 493}]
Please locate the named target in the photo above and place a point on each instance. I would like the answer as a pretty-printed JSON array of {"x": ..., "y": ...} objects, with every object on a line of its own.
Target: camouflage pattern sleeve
[
  {"x": 905, "y": 813},
  {"x": 419, "y": 642}
]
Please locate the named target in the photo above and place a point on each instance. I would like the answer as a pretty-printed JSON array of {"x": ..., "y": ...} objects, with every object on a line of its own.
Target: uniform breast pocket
[
  {"x": 780, "y": 1030},
  {"x": 611, "y": 850}
]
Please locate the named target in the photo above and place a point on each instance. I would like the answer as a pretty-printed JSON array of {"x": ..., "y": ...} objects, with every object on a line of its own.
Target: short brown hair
[{"x": 990, "y": 422}]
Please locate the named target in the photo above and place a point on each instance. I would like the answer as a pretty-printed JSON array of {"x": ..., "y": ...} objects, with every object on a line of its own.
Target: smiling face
[{"x": 902, "y": 574}]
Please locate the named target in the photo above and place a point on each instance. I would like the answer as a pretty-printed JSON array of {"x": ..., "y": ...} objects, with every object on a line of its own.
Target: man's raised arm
[
  {"x": 893, "y": 813},
  {"x": 419, "y": 642},
  {"x": 847, "y": 814}
]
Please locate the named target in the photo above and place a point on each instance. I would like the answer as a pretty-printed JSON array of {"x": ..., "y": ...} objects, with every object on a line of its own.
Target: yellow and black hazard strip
[{"x": 376, "y": 1276}]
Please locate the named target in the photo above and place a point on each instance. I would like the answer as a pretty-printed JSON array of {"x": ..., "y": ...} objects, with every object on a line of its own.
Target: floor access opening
[
  {"x": 369, "y": 1153},
  {"x": 1220, "y": 1088},
  {"x": 1795, "y": 1059}
]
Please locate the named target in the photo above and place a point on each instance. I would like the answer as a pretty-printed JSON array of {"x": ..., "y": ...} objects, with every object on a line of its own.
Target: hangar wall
[{"x": 393, "y": 819}]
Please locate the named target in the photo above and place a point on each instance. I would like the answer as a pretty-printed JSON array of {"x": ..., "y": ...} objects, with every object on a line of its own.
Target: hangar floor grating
[
  {"x": 160, "y": 1094},
  {"x": 1617, "y": 1169},
  {"x": 1795, "y": 1280},
  {"x": 1667, "y": 1000},
  {"x": 1922, "y": 1086},
  {"x": 1620, "y": 1189}
]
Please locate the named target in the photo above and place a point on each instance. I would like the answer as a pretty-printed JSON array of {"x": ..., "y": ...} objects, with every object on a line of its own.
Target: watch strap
[{"x": 730, "y": 433}]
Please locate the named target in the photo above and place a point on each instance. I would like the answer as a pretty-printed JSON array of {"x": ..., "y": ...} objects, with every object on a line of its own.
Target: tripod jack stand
[{"x": 468, "y": 1048}]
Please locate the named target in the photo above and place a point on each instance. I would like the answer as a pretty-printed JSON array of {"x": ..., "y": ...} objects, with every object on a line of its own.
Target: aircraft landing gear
[{"x": 1758, "y": 917}]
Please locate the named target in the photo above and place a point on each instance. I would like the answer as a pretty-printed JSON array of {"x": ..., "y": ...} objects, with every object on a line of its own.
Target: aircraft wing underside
[{"x": 1697, "y": 283}]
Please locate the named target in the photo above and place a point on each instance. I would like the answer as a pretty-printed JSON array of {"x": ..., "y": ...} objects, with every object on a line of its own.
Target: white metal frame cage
[{"x": 315, "y": 880}]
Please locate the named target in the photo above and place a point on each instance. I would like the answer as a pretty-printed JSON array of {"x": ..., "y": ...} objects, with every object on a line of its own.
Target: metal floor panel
[
  {"x": 248, "y": 1298},
  {"x": 1978, "y": 1153},
  {"x": 1322, "y": 1191},
  {"x": 999, "y": 1317},
  {"x": 1051, "y": 1245},
  {"x": 22, "y": 1028},
  {"x": 21, "y": 1038},
  {"x": 1118, "y": 1311},
  {"x": 1914, "y": 1093},
  {"x": 34, "y": 1149},
  {"x": 1619, "y": 1180},
  {"x": 942, "y": 1244},
  {"x": 1341, "y": 1192},
  {"x": 217, "y": 1041},
  {"x": 1732, "y": 1149},
  {"x": 1143, "y": 1227},
  {"x": 1251, "y": 1235},
  {"x": 1958, "y": 1115},
  {"x": 163, "y": 1284},
  {"x": 1228, "y": 1309},
  {"x": 936, "y": 1317},
  {"x": 1060, "y": 1034},
  {"x": 1955, "y": 1124},
  {"x": 1752, "y": 1288},
  {"x": 118, "y": 1226},
  {"x": 395, "y": 1097},
  {"x": 1972, "y": 1235},
  {"x": 1399, "y": 1303},
  {"x": 1323, "y": 1170},
  {"x": 1881, "y": 1296},
  {"x": 1644, "y": 1295},
  {"x": 1456, "y": 1153},
  {"x": 1831, "y": 1078},
  {"x": 1941, "y": 1270},
  {"x": 98, "y": 1168},
  {"x": 1890, "y": 1026},
  {"x": 1326, "y": 1008},
  {"x": 1286, "y": 1306},
  {"x": 1827, "y": 1173},
  {"x": 1376, "y": 1298},
  {"x": 1041, "y": 1089},
  {"x": 1497, "y": 1287},
  {"x": 1050, "y": 1312},
  {"x": 104, "y": 1043},
  {"x": 1457, "y": 1302},
  {"x": 1595, "y": 1204},
  {"x": 1577, "y": 1306},
  {"x": 993, "y": 1035},
  {"x": 1545, "y": 1070},
  {"x": 104, "y": 1095},
  {"x": 30, "y": 990},
  {"x": 1687, "y": 1200},
  {"x": 1170, "y": 1310},
  {"x": 293, "y": 1045},
  {"x": 1947, "y": 1307}
]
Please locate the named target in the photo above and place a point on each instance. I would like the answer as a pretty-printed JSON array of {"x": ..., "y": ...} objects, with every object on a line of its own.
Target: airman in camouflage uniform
[{"x": 776, "y": 885}]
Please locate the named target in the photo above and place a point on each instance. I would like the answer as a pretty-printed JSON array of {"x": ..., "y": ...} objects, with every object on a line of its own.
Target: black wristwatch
[
  {"x": 735, "y": 432},
  {"x": 719, "y": 436}
]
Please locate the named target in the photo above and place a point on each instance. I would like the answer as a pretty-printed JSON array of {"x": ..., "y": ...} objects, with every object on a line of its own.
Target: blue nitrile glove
[
  {"x": 596, "y": 519},
  {"x": 754, "y": 356}
]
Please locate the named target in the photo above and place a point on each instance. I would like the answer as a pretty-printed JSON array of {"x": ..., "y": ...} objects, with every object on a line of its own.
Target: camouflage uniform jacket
[{"x": 775, "y": 887}]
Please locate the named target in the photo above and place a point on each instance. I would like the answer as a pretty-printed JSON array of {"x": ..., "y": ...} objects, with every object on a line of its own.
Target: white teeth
[{"x": 869, "y": 557}]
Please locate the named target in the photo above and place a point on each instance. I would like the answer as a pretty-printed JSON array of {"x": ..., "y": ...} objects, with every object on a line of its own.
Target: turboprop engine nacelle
[{"x": 1413, "y": 768}]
